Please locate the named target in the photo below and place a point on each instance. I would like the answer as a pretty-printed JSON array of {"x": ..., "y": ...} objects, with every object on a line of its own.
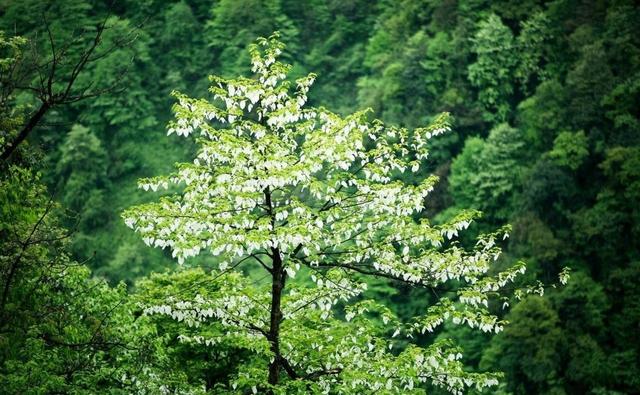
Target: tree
[
  {"x": 528, "y": 350},
  {"x": 540, "y": 116},
  {"x": 83, "y": 169},
  {"x": 335, "y": 34},
  {"x": 184, "y": 62},
  {"x": 235, "y": 23},
  {"x": 59, "y": 329},
  {"x": 305, "y": 194},
  {"x": 588, "y": 82},
  {"x": 612, "y": 223},
  {"x": 494, "y": 68},
  {"x": 51, "y": 75},
  {"x": 123, "y": 120},
  {"x": 11, "y": 50},
  {"x": 531, "y": 48},
  {"x": 486, "y": 174},
  {"x": 570, "y": 149}
]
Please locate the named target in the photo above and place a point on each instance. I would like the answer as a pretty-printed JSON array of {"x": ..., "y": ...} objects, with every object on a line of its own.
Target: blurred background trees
[{"x": 545, "y": 97}]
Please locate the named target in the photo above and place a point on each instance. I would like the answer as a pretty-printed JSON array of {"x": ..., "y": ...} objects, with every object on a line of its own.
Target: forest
[{"x": 319, "y": 196}]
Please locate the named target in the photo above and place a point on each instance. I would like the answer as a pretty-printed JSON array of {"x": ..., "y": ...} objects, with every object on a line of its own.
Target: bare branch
[{"x": 49, "y": 78}]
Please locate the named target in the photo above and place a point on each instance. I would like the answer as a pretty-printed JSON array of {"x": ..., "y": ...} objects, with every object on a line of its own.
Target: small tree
[
  {"x": 494, "y": 67},
  {"x": 306, "y": 194}
]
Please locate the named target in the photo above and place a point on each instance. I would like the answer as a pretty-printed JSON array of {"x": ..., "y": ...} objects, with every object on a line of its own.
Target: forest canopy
[{"x": 318, "y": 253}]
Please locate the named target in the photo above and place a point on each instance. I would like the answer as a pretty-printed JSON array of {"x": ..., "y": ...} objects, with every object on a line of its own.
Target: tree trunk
[
  {"x": 33, "y": 121},
  {"x": 278, "y": 276}
]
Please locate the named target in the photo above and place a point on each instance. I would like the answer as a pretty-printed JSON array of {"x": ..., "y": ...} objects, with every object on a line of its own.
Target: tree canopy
[
  {"x": 298, "y": 189},
  {"x": 543, "y": 100}
]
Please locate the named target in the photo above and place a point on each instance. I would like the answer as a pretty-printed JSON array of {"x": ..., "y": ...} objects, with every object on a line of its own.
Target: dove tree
[{"x": 317, "y": 201}]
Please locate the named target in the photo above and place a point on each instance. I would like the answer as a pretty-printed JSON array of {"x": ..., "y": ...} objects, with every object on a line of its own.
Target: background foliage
[{"x": 546, "y": 137}]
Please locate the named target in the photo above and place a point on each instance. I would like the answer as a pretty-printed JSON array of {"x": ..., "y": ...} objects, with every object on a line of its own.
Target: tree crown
[{"x": 294, "y": 189}]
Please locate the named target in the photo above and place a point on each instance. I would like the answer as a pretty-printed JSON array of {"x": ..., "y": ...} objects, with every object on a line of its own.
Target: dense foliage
[
  {"x": 545, "y": 136},
  {"x": 281, "y": 185}
]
